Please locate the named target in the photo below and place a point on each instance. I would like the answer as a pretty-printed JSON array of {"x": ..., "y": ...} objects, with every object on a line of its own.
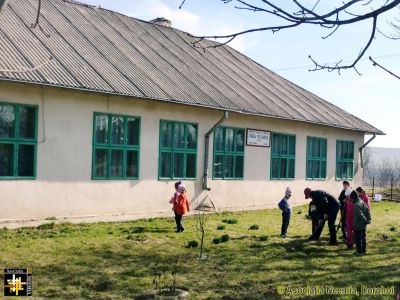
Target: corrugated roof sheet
[{"x": 99, "y": 50}]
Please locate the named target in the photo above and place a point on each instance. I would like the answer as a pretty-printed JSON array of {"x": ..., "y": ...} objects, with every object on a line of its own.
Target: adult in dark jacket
[
  {"x": 328, "y": 208},
  {"x": 342, "y": 197}
]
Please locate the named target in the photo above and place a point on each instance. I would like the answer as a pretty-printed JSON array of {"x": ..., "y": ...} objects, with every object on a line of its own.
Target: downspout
[
  {"x": 363, "y": 146},
  {"x": 206, "y": 149},
  {"x": 2, "y": 2}
]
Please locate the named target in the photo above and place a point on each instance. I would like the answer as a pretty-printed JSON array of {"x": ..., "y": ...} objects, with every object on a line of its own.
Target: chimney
[{"x": 162, "y": 22}]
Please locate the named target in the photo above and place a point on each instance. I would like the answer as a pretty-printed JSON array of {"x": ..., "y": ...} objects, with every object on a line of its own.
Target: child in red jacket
[
  {"x": 182, "y": 207},
  {"x": 349, "y": 216}
]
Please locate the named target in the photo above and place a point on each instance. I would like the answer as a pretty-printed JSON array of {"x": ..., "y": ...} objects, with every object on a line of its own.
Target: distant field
[{"x": 126, "y": 260}]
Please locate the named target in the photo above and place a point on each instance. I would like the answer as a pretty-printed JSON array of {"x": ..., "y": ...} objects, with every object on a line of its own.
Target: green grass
[{"x": 121, "y": 260}]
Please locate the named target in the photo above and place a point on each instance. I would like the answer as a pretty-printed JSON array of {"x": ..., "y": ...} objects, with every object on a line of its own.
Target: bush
[
  {"x": 263, "y": 238},
  {"x": 52, "y": 218},
  {"x": 230, "y": 221},
  {"x": 392, "y": 228},
  {"x": 193, "y": 244},
  {"x": 46, "y": 226},
  {"x": 221, "y": 227},
  {"x": 224, "y": 238},
  {"x": 216, "y": 240},
  {"x": 253, "y": 227}
]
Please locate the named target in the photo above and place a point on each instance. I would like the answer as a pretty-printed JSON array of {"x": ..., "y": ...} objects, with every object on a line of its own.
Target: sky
[{"x": 373, "y": 96}]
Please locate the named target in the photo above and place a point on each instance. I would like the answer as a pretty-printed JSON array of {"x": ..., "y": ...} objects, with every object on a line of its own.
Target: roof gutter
[
  {"x": 206, "y": 149},
  {"x": 363, "y": 146}
]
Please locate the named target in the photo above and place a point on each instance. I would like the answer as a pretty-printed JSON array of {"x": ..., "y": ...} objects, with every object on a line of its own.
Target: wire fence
[{"x": 386, "y": 192}]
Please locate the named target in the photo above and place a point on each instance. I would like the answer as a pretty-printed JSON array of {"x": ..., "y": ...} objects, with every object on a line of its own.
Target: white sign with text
[{"x": 259, "y": 138}]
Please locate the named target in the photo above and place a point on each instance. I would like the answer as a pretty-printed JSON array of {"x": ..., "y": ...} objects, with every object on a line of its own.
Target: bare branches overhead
[{"x": 299, "y": 14}]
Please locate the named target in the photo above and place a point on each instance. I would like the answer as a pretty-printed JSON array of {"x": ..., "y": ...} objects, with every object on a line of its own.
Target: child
[
  {"x": 284, "y": 205},
  {"x": 173, "y": 201},
  {"x": 182, "y": 207},
  {"x": 313, "y": 215},
  {"x": 349, "y": 218},
  {"x": 362, "y": 217},
  {"x": 363, "y": 196}
]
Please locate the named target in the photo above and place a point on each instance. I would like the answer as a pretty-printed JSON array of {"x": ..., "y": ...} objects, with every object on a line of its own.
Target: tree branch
[{"x": 374, "y": 63}]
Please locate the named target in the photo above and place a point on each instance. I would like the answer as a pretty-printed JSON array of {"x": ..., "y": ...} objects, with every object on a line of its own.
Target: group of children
[{"x": 355, "y": 215}]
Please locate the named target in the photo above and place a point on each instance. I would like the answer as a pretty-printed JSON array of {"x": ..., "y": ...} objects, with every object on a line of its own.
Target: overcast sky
[{"x": 374, "y": 96}]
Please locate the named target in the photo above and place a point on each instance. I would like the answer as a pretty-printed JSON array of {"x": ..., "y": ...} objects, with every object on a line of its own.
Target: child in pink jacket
[{"x": 349, "y": 213}]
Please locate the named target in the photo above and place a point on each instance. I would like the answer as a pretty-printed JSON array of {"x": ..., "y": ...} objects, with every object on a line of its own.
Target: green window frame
[
  {"x": 283, "y": 156},
  {"x": 116, "y": 147},
  {"x": 316, "y": 158},
  {"x": 18, "y": 141},
  {"x": 228, "y": 156},
  {"x": 344, "y": 159},
  {"x": 177, "y": 150}
]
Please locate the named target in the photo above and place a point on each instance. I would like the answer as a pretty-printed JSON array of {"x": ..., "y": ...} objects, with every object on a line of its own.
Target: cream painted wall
[{"x": 64, "y": 187}]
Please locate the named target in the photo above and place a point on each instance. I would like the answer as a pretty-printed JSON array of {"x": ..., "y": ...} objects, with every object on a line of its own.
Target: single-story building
[{"x": 101, "y": 114}]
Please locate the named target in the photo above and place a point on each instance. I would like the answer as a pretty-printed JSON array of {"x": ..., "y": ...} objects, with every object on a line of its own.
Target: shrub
[
  {"x": 193, "y": 244},
  {"x": 392, "y": 228},
  {"x": 216, "y": 240},
  {"x": 46, "y": 226},
  {"x": 224, "y": 238},
  {"x": 230, "y": 221},
  {"x": 263, "y": 238},
  {"x": 221, "y": 227},
  {"x": 52, "y": 218},
  {"x": 253, "y": 227}
]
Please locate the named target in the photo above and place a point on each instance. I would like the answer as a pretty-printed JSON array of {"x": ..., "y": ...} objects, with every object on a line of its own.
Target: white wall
[{"x": 63, "y": 186}]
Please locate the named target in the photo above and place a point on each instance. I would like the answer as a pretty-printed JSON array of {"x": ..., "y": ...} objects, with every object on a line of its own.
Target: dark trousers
[
  {"x": 343, "y": 221},
  {"x": 361, "y": 240},
  {"x": 285, "y": 223},
  {"x": 178, "y": 220},
  {"x": 331, "y": 223}
]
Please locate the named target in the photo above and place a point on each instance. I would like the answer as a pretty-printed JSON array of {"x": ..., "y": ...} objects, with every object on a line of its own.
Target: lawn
[{"x": 127, "y": 260}]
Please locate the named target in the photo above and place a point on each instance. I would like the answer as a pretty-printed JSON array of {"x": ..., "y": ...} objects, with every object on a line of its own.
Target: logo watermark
[{"x": 18, "y": 282}]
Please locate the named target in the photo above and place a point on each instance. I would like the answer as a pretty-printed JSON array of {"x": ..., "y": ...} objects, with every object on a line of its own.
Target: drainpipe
[
  {"x": 2, "y": 2},
  {"x": 206, "y": 150},
  {"x": 363, "y": 146}
]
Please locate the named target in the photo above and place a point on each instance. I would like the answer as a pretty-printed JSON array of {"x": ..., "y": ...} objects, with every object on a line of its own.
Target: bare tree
[{"x": 349, "y": 12}]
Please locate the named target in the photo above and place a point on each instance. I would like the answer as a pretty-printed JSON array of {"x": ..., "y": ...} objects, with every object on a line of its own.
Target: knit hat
[
  {"x": 307, "y": 192},
  {"x": 288, "y": 191},
  {"x": 181, "y": 188},
  {"x": 348, "y": 192}
]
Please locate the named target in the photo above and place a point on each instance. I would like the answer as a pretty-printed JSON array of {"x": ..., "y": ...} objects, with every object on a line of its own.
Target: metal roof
[{"x": 95, "y": 49}]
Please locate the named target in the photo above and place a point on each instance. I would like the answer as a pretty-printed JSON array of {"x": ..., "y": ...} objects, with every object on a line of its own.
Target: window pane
[
  {"x": 117, "y": 130},
  {"x": 166, "y": 134},
  {"x": 7, "y": 124},
  {"x": 229, "y": 139},
  {"x": 310, "y": 148},
  {"x": 291, "y": 169},
  {"x": 133, "y": 131},
  {"x": 339, "y": 170},
  {"x": 191, "y": 165},
  {"x": 101, "y": 129},
  {"x": 179, "y": 165},
  {"x": 179, "y": 135},
  {"x": 275, "y": 144},
  {"x": 283, "y": 149},
  {"x": 27, "y": 121},
  {"x": 219, "y": 139},
  {"x": 132, "y": 163},
  {"x": 26, "y": 161},
  {"x": 275, "y": 168},
  {"x": 239, "y": 167},
  {"x": 309, "y": 169},
  {"x": 323, "y": 147},
  {"x": 338, "y": 150},
  {"x": 349, "y": 170},
  {"x": 117, "y": 158},
  {"x": 166, "y": 159},
  {"x": 240, "y": 140},
  {"x": 351, "y": 150},
  {"x": 316, "y": 169},
  {"x": 218, "y": 166},
  {"x": 283, "y": 168},
  {"x": 191, "y": 136},
  {"x": 100, "y": 162},
  {"x": 6, "y": 160},
  {"x": 228, "y": 171},
  {"x": 317, "y": 151},
  {"x": 323, "y": 169},
  {"x": 292, "y": 145}
]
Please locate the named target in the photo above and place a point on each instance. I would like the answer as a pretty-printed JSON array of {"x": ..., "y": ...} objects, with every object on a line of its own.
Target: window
[
  {"x": 283, "y": 156},
  {"x": 316, "y": 158},
  {"x": 18, "y": 141},
  {"x": 116, "y": 141},
  {"x": 344, "y": 159},
  {"x": 178, "y": 150},
  {"x": 228, "y": 153}
]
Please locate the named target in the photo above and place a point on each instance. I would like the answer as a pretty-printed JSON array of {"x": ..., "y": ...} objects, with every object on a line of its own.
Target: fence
[{"x": 389, "y": 192}]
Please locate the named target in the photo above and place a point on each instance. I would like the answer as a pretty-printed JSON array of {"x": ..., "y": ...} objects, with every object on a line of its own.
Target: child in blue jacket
[{"x": 284, "y": 205}]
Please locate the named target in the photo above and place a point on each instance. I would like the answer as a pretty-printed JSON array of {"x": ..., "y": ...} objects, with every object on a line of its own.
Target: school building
[{"x": 101, "y": 113}]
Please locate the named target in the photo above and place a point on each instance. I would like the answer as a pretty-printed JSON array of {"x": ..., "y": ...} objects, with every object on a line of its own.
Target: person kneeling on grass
[
  {"x": 362, "y": 217},
  {"x": 284, "y": 205},
  {"x": 182, "y": 207}
]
